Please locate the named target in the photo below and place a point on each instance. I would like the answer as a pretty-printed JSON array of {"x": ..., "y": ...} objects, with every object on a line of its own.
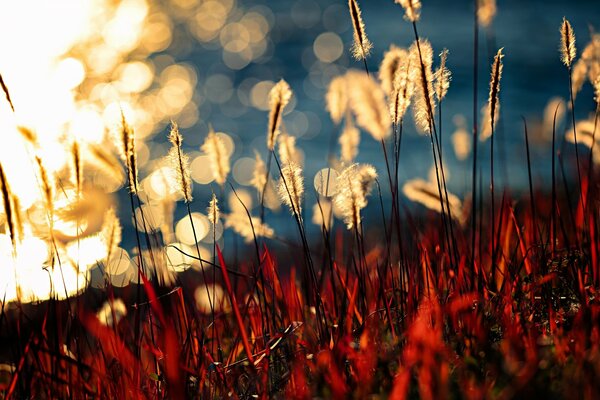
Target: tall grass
[{"x": 403, "y": 303}]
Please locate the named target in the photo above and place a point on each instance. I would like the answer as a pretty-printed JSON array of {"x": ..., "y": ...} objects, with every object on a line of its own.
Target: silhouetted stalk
[{"x": 475, "y": 134}]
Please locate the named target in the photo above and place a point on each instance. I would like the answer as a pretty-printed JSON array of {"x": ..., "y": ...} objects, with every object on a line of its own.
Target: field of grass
[{"x": 493, "y": 296}]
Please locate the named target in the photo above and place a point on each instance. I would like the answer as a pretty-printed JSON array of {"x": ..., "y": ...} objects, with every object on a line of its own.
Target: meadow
[{"x": 173, "y": 270}]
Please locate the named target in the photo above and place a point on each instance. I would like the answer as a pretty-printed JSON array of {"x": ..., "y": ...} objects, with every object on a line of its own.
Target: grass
[{"x": 399, "y": 304}]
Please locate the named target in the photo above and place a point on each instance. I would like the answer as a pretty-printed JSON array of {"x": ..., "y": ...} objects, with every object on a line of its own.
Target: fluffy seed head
[
  {"x": 76, "y": 168},
  {"x": 213, "y": 210},
  {"x": 349, "y": 141},
  {"x": 259, "y": 176},
  {"x": 424, "y": 108},
  {"x": 219, "y": 158},
  {"x": 412, "y": 9},
  {"x": 291, "y": 187},
  {"x": 494, "y": 99},
  {"x": 362, "y": 46},
  {"x": 367, "y": 102},
  {"x": 337, "y": 98},
  {"x": 567, "y": 43},
  {"x": 403, "y": 88},
  {"x": 393, "y": 59},
  {"x": 127, "y": 151},
  {"x": 354, "y": 185},
  {"x": 427, "y": 194},
  {"x": 8, "y": 207},
  {"x": 111, "y": 232},
  {"x": 442, "y": 77},
  {"x": 179, "y": 162},
  {"x": 247, "y": 227},
  {"x": 279, "y": 97},
  {"x": 287, "y": 149},
  {"x": 47, "y": 188}
]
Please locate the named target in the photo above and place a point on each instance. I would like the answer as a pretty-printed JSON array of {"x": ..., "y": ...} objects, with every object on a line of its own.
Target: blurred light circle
[
  {"x": 328, "y": 47},
  {"x": 243, "y": 170},
  {"x": 326, "y": 182},
  {"x": 259, "y": 95},
  {"x": 119, "y": 262},
  {"x": 184, "y": 232},
  {"x": 200, "y": 170}
]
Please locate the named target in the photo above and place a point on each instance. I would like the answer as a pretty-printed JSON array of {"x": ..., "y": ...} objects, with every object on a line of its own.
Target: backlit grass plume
[
  {"x": 291, "y": 187},
  {"x": 426, "y": 193},
  {"x": 180, "y": 163},
  {"x": 213, "y": 210},
  {"x": 107, "y": 161},
  {"x": 76, "y": 167},
  {"x": 393, "y": 60},
  {"x": 361, "y": 47},
  {"x": 367, "y": 102},
  {"x": 494, "y": 99},
  {"x": 354, "y": 186},
  {"x": 567, "y": 43},
  {"x": 259, "y": 175},
  {"x": 111, "y": 232},
  {"x": 403, "y": 88},
  {"x": 47, "y": 186},
  {"x": 287, "y": 149},
  {"x": 279, "y": 97},
  {"x": 442, "y": 77},
  {"x": 337, "y": 98},
  {"x": 8, "y": 208},
  {"x": 247, "y": 227},
  {"x": 128, "y": 153},
  {"x": 412, "y": 9},
  {"x": 349, "y": 141},
  {"x": 486, "y": 11},
  {"x": 424, "y": 107},
  {"x": 214, "y": 148}
]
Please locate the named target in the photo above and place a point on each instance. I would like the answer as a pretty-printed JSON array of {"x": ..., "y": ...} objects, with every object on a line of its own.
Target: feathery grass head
[
  {"x": 128, "y": 153},
  {"x": 424, "y": 108},
  {"x": 403, "y": 87},
  {"x": 291, "y": 187},
  {"x": 180, "y": 163},
  {"x": 393, "y": 60},
  {"x": 111, "y": 232},
  {"x": 107, "y": 161},
  {"x": 486, "y": 11},
  {"x": 259, "y": 175},
  {"x": 442, "y": 77},
  {"x": 567, "y": 43},
  {"x": 76, "y": 168},
  {"x": 337, "y": 98},
  {"x": 349, "y": 141},
  {"x": 412, "y": 9},
  {"x": 494, "y": 99},
  {"x": 427, "y": 194},
  {"x": 213, "y": 210},
  {"x": 279, "y": 97},
  {"x": 214, "y": 147},
  {"x": 361, "y": 47},
  {"x": 367, "y": 102},
  {"x": 287, "y": 149},
  {"x": 247, "y": 227},
  {"x": 7, "y": 198},
  {"x": 354, "y": 185},
  {"x": 47, "y": 189}
]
